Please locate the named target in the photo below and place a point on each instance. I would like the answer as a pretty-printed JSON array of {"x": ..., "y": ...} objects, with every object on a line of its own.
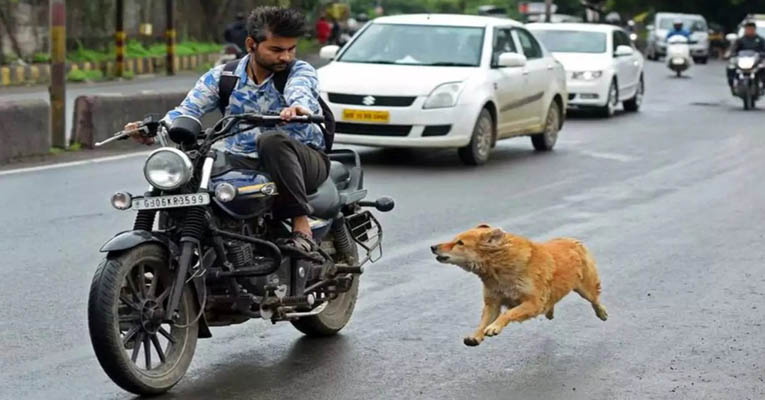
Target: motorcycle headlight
[
  {"x": 746, "y": 62},
  {"x": 168, "y": 168},
  {"x": 444, "y": 96},
  {"x": 587, "y": 75}
]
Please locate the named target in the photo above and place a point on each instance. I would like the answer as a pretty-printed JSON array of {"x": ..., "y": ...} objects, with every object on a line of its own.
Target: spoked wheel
[
  {"x": 338, "y": 310},
  {"x": 126, "y": 311}
]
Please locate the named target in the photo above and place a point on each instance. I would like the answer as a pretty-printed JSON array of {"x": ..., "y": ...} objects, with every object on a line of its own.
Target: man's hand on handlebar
[
  {"x": 133, "y": 130},
  {"x": 292, "y": 112}
]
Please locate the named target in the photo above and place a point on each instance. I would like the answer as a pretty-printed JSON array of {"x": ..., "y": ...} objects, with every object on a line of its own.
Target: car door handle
[
  {"x": 550, "y": 67},
  {"x": 525, "y": 72}
]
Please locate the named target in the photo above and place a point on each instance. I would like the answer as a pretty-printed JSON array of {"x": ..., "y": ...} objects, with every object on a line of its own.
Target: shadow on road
[
  {"x": 315, "y": 361},
  {"x": 447, "y": 160}
]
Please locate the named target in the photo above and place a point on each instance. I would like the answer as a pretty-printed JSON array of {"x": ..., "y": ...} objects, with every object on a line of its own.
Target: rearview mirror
[
  {"x": 623, "y": 51},
  {"x": 328, "y": 52},
  {"x": 731, "y": 37},
  {"x": 512, "y": 60}
]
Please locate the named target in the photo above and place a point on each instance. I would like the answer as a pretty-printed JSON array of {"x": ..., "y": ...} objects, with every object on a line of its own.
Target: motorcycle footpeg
[{"x": 349, "y": 270}]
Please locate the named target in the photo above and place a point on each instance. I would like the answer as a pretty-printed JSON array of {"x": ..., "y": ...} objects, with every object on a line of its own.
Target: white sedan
[
  {"x": 603, "y": 68},
  {"x": 444, "y": 81}
]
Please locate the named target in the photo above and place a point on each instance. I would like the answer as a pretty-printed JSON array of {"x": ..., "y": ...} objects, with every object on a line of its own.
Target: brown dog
[{"x": 526, "y": 277}]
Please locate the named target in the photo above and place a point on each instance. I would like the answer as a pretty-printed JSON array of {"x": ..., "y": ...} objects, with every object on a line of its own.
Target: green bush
[
  {"x": 79, "y": 75},
  {"x": 41, "y": 58}
]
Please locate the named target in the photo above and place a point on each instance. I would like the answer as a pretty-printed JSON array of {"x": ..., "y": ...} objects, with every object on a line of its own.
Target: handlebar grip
[{"x": 316, "y": 119}]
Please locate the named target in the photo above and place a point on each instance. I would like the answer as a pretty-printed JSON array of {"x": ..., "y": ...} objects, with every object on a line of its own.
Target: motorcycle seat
[
  {"x": 339, "y": 172},
  {"x": 325, "y": 201}
]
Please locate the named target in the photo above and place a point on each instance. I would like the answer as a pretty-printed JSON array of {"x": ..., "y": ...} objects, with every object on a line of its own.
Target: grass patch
[
  {"x": 128, "y": 74},
  {"x": 307, "y": 46},
  {"x": 76, "y": 146},
  {"x": 79, "y": 75},
  {"x": 41, "y": 58}
]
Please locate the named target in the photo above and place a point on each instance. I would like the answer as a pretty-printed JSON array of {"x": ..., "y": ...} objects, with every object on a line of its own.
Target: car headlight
[
  {"x": 746, "y": 62},
  {"x": 587, "y": 75},
  {"x": 444, "y": 96},
  {"x": 168, "y": 168}
]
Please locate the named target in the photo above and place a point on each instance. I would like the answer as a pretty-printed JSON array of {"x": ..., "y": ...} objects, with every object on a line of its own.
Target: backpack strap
[{"x": 226, "y": 84}]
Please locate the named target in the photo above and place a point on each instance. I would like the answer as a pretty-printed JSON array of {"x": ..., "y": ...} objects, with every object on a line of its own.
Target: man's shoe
[{"x": 301, "y": 242}]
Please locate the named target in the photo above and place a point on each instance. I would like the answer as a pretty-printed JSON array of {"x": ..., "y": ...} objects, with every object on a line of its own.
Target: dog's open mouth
[{"x": 442, "y": 259}]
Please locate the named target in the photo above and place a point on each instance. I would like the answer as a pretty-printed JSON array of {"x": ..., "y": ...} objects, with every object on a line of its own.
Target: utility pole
[
  {"x": 170, "y": 35},
  {"x": 119, "y": 38},
  {"x": 548, "y": 10},
  {"x": 57, "y": 87}
]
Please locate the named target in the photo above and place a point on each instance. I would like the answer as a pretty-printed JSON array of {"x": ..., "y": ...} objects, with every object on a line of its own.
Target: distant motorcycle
[
  {"x": 216, "y": 256},
  {"x": 679, "y": 57},
  {"x": 746, "y": 83},
  {"x": 230, "y": 52}
]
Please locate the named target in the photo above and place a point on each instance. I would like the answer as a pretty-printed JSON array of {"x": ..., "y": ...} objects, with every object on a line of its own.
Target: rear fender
[{"x": 131, "y": 239}]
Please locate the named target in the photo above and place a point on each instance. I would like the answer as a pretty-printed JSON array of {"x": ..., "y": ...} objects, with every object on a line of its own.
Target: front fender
[{"x": 130, "y": 239}]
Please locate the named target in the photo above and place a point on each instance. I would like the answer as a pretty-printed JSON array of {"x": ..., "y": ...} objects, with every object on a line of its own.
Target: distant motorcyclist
[
  {"x": 236, "y": 32},
  {"x": 677, "y": 29},
  {"x": 750, "y": 41}
]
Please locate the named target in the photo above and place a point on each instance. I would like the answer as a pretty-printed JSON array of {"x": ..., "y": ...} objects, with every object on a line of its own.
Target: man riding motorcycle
[
  {"x": 750, "y": 41},
  {"x": 236, "y": 32},
  {"x": 677, "y": 29},
  {"x": 293, "y": 154}
]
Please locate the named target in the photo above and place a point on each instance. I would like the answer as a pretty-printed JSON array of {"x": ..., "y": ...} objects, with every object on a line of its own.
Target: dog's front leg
[
  {"x": 522, "y": 312},
  {"x": 491, "y": 309}
]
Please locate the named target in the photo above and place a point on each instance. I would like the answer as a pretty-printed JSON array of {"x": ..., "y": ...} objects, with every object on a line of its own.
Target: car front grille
[
  {"x": 373, "y": 129},
  {"x": 366, "y": 100}
]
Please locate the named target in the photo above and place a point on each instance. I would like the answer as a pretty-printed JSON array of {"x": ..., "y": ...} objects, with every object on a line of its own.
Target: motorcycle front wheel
[{"x": 135, "y": 347}]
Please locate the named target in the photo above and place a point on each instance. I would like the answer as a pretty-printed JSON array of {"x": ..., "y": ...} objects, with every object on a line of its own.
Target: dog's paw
[
  {"x": 472, "y": 341},
  {"x": 601, "y": 313},
  {"x": 493, "y": 329}
]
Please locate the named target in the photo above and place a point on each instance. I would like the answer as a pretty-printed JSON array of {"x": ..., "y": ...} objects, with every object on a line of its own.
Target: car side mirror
[
  {"x": 624, "y": 51},
  {"x": 731, "y": 37},
  {"x": 328, "y": 52},
  {"x": 511, "y": 60}
]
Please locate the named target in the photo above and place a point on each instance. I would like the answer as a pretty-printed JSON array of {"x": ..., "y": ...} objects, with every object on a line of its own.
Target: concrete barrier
[
  {"x": 24, "y": 129},
  {"x": 98, "y": 117}
]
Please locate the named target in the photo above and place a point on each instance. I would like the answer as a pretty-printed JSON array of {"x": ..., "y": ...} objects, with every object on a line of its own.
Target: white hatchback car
[
  {"x": 448, "y": 81},
  {"x": 603, "y": 68}
]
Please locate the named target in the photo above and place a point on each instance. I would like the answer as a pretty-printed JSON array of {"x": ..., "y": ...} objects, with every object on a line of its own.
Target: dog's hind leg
[{"x": 591, "y": 293}]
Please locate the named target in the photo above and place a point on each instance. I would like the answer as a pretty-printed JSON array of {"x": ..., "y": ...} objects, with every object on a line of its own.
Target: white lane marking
[
  {"x": 610, "y": 156},
  {"x": 74, "y": 163}
]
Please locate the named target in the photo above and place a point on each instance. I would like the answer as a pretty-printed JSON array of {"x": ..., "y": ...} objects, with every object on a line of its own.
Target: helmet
[{"x": 678, "y": 24}]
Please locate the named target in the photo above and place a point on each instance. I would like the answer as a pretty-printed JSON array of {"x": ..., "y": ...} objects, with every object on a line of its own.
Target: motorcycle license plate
[
  {"x": 173, "y": 201},
  {"x": 678, "y": 61}
]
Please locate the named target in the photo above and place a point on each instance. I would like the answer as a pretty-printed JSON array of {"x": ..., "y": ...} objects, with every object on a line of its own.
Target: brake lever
[{"x": 122, "y": 135}]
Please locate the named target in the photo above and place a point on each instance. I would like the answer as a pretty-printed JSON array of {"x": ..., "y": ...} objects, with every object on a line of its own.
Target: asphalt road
[{"x": 668, "y": 199}]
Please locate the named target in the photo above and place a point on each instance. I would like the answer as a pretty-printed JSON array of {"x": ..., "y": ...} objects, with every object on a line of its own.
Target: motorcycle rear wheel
[
  {"x": 135, "y": 348},
  {"x": 338, "y": 312}
]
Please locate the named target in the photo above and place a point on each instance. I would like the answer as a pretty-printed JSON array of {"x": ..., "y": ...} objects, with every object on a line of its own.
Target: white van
[{"x": 662, "y": 24}]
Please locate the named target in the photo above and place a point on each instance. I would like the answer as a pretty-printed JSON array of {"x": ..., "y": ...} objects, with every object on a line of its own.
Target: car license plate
[
  {"x": 380, "y": 117},
  {"x": 174, "y": 201}
]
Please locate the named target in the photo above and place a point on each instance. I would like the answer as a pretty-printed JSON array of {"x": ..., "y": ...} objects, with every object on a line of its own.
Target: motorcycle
[
  {"x": 679, "y": 57},
  {"x": 230, "y": 52},
  {"x": 746, "y": 82},
  {"x": 217, "y": 256}
]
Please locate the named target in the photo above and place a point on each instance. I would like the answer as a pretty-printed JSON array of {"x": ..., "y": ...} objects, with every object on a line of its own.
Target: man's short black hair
[
  {"x": 750, "y": 24},
  {"x": 284, "y": 22}
]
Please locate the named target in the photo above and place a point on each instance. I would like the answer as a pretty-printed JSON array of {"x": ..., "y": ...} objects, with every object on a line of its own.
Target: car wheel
[
  {"x": 634, "y": 103},
  {"x": 545, "y": 141},
  {"x": 613, "y": 100},
  {"x": 477, "y": 151}
]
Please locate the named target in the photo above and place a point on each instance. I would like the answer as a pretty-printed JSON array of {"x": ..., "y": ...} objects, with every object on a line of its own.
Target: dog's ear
[
  {"x": 483, "y": 226},
  {"x": 494, "y": 238}
]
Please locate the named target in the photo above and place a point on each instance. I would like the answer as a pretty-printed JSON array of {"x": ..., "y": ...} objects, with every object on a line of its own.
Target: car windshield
[
  {"x": 417, "y": 45},
  {"x": 690, "y": 24},
  {"x": 560, "y": 41}
]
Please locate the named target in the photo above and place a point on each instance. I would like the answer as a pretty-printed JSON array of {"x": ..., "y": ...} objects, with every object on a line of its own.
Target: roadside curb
[{"x": 35, "y": 74}]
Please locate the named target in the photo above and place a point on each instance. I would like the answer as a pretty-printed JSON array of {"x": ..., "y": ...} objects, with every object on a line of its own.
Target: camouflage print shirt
[{"x": 302, "y": 89}]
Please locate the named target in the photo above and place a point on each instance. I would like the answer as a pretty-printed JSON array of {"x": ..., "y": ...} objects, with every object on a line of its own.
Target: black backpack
[{"x": 228, "y": 81}]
